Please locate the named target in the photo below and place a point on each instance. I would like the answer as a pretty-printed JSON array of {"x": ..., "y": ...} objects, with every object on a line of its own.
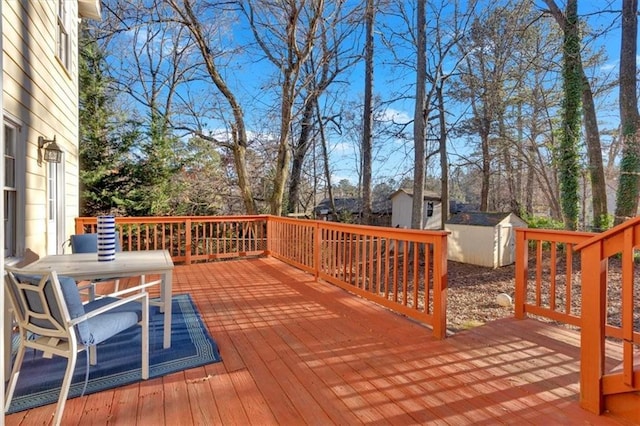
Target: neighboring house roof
[
  {"x": 351, "y": 205},
  {"x": 428, "y": 195},
  {"x": 479, "y": 218},
  {"x": 342, "y": 204},
  {"x": 457, "y": 207}
]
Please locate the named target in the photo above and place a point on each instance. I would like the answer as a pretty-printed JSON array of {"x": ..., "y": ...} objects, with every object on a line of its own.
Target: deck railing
[
  {"x": 404, "y": 270},
  {"x": 550, "y": 282},
  {"x": 189, "y": 238},
  {"x": 557, "y": 283},
  {"x": 599, "y": 388},
  {"x": 547, "y": 274}
]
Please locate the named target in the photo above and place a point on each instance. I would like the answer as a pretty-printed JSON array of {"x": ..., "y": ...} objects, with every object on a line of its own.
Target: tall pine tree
[{"x": 105, "y": 139}]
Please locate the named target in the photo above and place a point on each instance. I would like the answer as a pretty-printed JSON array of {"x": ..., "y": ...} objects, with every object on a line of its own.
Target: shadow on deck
[{"x": 300, "y": 352}]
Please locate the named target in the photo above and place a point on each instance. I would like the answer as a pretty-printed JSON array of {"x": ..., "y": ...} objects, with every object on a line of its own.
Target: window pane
[
  {"x": 9, "y": 172},
  {"x": 9, "y": 223},
  {"x": 9, "y": 141}
]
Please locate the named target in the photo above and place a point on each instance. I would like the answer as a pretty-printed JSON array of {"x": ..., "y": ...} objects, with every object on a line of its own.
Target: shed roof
[{"x": 479, "y": 218}]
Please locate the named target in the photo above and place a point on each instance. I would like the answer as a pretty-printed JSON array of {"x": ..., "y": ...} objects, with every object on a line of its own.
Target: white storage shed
[
  {"x": 481, "y": 238},
  {"x": 402, "y": 204}
]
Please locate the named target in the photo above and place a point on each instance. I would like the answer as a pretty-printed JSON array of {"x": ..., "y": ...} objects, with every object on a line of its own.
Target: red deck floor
[{"x": 296, "y": 351}]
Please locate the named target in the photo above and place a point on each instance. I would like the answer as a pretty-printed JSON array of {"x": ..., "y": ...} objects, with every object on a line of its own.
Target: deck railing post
[
  {"x": 592, "y": 334},
  {"x": 269, "y": 236},
  {"x": 522, "y": 272},
  {"x": 317, "y": 248},
  {"x": 187, "y": 243},
  {"x": 79, "y": 225},
  {"x": 440, "y": 288}
]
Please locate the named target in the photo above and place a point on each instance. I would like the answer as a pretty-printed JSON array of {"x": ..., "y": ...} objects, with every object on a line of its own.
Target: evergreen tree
[{"x": 105, "y": 139}]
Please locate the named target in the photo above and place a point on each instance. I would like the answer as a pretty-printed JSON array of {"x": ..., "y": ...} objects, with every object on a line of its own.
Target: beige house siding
[{"x": 41, "y": 96}]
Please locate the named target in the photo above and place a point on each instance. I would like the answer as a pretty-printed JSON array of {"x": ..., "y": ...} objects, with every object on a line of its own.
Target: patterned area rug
[{"x": 119, "y": 358}]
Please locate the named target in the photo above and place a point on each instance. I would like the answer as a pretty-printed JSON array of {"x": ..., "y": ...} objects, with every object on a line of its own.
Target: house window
[
  {"x": 10, "y": 191},
  {"x": 64, "y": 42},
  {"x": 429, "y": 208}
]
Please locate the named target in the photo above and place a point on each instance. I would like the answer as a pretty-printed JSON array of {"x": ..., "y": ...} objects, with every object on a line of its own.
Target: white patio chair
[{"x": 49, "y": 307}]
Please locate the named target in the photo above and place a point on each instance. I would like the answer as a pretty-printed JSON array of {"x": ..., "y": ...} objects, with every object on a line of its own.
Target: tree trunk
[
  {"x": 629, "y": 184},
  {"x": 284, "y": 151},
  {"x": 299, "y": 154},
  {"x": 239, "y": 159},
  {"x": 325, "y": 155},
  {"x": 367, "y": 119},
  {"x": 419, "y": 118},
  {"x": 594, "y": 154},
  {"x": 486, "y": 165},
  {"x": 444, "y": 160},
  {"x": 572, "y": 83}
]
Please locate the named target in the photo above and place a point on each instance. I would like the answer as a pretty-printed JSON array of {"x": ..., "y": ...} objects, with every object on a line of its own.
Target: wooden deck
[{"x": 300, "y": 352}]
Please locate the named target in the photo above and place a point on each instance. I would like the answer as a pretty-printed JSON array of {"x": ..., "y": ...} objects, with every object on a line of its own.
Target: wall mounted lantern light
[{"x": 52, "y": 152}]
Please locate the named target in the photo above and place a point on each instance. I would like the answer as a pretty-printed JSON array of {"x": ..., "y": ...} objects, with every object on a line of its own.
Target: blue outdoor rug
[{"x": 119, "y": 363}]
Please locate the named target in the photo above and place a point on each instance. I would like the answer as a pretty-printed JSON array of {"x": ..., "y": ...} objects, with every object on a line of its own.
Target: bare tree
[
  {"x": 286, "y": 33},
  {"x": 333, "y": 54},
  {"x": 237, "y": 140},
  {"x": 443, "y": 24},
  {"x": 151, "y": 71},
  {"x": 483, "y": 83}
]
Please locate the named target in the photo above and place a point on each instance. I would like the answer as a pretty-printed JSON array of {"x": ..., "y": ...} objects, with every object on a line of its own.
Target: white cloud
[{"x": 395, "y": 115}]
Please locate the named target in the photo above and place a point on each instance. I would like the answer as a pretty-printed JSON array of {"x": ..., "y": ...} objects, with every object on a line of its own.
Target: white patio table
[{"x": 85, "y": 266}]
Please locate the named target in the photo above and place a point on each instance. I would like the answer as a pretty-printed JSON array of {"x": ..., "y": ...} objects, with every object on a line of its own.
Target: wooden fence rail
[{"x": 404, "y": 270}]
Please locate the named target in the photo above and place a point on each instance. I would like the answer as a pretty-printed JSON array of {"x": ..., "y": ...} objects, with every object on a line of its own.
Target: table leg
[
  {"x": 165, "y": 293},
  {"x": 8, "y": 334}
]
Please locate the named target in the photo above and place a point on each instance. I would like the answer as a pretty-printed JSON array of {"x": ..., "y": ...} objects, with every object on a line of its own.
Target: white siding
[
  {"x": 471, "y": 244},
  {"x": 401, "y": 210},
  {"x": 490, "y": 246},
  {"x": 402, "y": 204},
  {"x": 40, "y": 93}
]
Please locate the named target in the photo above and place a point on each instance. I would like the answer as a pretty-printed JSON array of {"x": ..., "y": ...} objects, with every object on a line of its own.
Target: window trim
[
  {"x": 63, "y": 46},
  {"x": 19, "y": 185}
]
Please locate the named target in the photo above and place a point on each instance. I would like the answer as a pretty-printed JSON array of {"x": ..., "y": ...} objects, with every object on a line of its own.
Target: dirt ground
[
  {"x": 472, "y": 293},
  {"x": 471, "y": 297}
]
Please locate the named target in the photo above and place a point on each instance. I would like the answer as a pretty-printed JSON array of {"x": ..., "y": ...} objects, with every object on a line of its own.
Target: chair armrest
[{"x": 106, "y": 308}]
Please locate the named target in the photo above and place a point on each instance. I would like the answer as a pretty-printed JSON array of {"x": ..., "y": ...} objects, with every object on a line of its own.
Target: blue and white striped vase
[{"x": 106, "y": 238}]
